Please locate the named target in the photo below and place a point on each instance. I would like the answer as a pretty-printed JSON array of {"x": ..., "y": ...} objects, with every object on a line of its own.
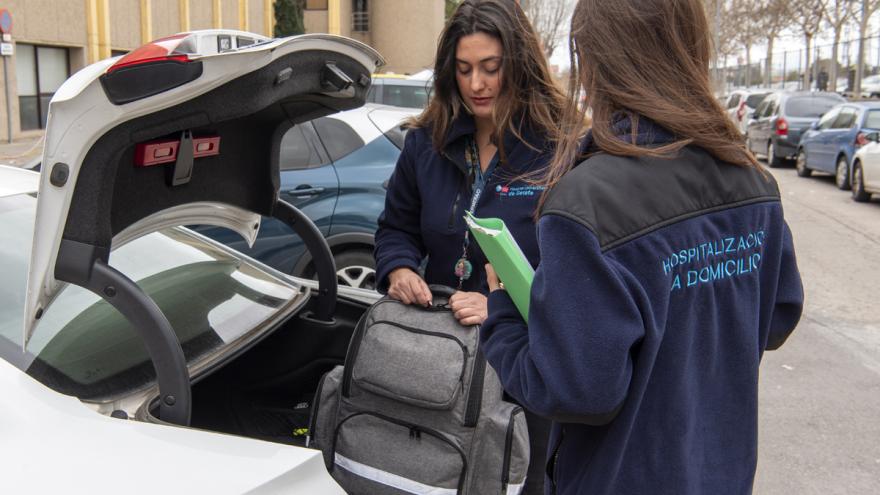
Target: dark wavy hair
[
  {"x": 528, "y": 97},
  {"x": 643, "y": 58}
]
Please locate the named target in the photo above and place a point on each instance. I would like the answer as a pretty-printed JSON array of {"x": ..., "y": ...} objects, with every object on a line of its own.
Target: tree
[
  {"x": 745, "y": 15},
  {"x": 837, "y": 14},
  {"x": 548, "y": 17},
  {"x": 451, "y": 5},
  {"x": 289, "y": 18},
  {"x": 808, "y": 15},
  {"x": 869, "y": 7},
  {"x": 776, "y": 16}
]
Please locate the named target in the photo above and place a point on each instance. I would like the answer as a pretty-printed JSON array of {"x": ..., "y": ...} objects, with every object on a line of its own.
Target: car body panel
[
  {"x": 869, "y": 157},
  {"x": 73, "y": 450},
  {"x": 835, "y": 135},
  {"x": 81, "y": 118}
]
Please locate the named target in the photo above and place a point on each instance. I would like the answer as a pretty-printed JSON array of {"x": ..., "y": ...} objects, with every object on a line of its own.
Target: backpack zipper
[{"x": 475, "y": 392}]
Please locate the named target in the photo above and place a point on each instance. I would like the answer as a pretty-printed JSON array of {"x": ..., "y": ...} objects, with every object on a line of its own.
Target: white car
[
  {"x": 135, "y": 354},
  {"x": 866, "y": 169},
  {"x": 871, "y": 86},
  {"x": 741, "y": 105}
]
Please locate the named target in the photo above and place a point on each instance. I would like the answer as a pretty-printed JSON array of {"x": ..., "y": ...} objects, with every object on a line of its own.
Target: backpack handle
[{"x": 442, "y": 290}]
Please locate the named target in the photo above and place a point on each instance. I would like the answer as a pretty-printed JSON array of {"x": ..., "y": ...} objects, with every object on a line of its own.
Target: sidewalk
[{"x": 22, "y": 151}]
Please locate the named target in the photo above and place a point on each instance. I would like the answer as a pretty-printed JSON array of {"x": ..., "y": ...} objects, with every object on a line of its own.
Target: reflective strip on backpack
[
  {"x": 515, "y": 489},
  {"x": 391, "y": 479}
]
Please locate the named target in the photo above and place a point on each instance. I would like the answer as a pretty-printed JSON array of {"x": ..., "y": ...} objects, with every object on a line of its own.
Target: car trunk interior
[{"x": 267, "y": 392}]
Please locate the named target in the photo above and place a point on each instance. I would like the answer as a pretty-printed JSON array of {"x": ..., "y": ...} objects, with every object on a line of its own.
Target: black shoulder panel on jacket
[{"x": 621, "y": 198}]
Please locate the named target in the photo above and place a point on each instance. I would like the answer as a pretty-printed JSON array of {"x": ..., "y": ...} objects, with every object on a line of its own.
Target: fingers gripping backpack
[{"x": 416, "y": 409}]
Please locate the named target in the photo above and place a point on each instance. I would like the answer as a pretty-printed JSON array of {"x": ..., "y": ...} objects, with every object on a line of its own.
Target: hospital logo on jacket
[{"x": 508, "y": 191}]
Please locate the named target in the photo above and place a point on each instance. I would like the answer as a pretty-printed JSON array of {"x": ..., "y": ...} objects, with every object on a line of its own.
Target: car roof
[
  {"x": 17, "y": 181},
  {"x": 372, "y": 118},
  {"x": 389, "y": 81}
]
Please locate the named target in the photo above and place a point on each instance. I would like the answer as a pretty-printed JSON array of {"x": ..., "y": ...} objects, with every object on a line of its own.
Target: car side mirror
[{"x": 814, "y": 125}]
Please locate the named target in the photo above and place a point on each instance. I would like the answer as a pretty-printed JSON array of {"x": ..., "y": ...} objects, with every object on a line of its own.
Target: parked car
[
  {"x": 871, "y": 86},
  {"x": 335, "y": 169},
  {"x": 830, "y": 144},
  {"x": 400, "y": 91},
  {"x": 120, "y": 330},
  {"x": 741, "y": 105},
  {"x": 779, "y": 121},
  {"x": 866, "y": 169}
]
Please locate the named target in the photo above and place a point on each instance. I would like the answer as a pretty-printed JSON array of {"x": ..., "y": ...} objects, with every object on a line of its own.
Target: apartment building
[{"x": 404, "y": 31}]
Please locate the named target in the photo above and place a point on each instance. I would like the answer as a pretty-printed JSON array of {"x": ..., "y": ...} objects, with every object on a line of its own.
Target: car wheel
[
  {"x": 773, "y": 160},
  {"x": 801, "y": 164},
  {"x": 858, "y": 184},
  {"x": 356, "y": 268},
  {"x": 841, "y": 175}
]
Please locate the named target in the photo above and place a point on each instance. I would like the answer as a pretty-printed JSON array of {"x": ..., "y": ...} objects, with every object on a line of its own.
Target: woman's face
[{"x": 478, "y": 72}]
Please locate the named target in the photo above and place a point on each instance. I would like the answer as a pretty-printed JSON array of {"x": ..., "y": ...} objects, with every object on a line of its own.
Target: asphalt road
[{"x": 820, "y": 393}]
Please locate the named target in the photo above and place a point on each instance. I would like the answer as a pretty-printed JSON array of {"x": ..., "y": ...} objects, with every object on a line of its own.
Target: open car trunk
[
  {"x": 179, "y": 134},
  {"x": 267, "y": 392}
]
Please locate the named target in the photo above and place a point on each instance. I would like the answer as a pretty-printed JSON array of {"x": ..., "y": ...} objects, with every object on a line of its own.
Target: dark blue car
[
  {"x": 335, "y": 169},
  {"x": 830, "y": 144}
]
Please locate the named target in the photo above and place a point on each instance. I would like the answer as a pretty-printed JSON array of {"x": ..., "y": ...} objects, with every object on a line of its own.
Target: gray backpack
[{"x": 416, "y": 409}]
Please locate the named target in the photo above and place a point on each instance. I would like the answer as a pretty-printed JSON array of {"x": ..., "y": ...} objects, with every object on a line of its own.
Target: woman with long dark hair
[
  {"x": 488, "y": 124},
  {"x": 667, "y": 269}
]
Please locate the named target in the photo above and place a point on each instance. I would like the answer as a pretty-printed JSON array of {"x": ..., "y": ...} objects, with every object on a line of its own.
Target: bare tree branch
[{"x": 548, "y": 17}]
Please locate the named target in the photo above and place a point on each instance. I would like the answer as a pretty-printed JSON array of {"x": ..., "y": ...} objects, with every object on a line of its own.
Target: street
[{"x": 820, "y": 393}]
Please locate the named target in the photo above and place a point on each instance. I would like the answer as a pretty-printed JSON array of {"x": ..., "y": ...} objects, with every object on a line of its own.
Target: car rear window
[
  {"x": 405, "y": 96},
  {"x": 754, "y": 100},
  {"x": 872, "y": 120},
  {"x": 85, "y": 348},
  {"x": 809, "y": 106}
]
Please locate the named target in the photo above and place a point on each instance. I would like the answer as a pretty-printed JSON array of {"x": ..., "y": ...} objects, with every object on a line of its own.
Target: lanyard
[{"x": 463, "y": 267}]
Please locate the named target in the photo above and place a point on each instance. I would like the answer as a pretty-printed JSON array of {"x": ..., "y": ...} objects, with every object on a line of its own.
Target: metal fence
[{"x": 787, "y": 69}]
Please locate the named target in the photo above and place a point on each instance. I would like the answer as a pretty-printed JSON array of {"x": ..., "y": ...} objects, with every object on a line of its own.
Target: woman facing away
[
  {"x": 493, "y": 108},
  {"x": 667, "y": 269}
]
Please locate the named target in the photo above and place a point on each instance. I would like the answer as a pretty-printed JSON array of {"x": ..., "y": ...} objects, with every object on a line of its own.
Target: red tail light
[
  {"x": 161, "y": 50},
  {"x": 781, "y": 127},
  {"x": 861, "y": 140},
  {"x": 741, "y": 111}
]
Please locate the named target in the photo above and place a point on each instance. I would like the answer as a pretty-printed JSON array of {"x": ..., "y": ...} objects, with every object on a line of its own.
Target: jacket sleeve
[
  {"x": 789, "y": 295},
  {"x": 398, "y": 238},
  {"x": 574, "y": 360}
]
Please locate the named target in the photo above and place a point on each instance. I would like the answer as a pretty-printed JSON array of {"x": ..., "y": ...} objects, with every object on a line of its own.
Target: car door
[
  {"x": 841, "y": 134},
  {"x": 754, "y": 132},
  {"x": 764, "y": 125},
  {"x": 812, "y": 139}
]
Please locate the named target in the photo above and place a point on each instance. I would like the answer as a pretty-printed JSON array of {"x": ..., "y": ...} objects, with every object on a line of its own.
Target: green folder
[{"x": 511, "y": 265}]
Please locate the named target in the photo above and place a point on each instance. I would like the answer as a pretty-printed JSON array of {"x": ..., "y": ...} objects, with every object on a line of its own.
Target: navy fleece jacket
[
  {"x": 661, "y": 284},
  {"x": 429, "y": 192}
]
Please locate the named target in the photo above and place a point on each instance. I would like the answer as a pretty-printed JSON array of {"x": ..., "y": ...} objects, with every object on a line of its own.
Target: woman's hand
[
  {"x": 492, "y": 279},
  {"x": 408, "y": 287},
  {"x": 470, "y": 308}
]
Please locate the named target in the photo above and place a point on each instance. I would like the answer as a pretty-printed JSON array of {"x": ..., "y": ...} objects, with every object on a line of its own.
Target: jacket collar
[
  {"x": 464, "y": 126},
  {"x": 649, "y": 133}
]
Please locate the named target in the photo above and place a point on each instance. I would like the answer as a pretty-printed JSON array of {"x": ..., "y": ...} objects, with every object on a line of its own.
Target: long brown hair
[
  {"x": 643, "y": 58},
  {"x": 528, "y": 97}
]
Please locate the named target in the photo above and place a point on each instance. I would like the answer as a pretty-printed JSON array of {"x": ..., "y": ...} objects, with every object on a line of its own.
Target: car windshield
[
  {"x": 405, "y": 96},
  {"x": 84, "y": 347},
  {"x": 809, "y": 106},
  {"x": 754, "y": 100}
]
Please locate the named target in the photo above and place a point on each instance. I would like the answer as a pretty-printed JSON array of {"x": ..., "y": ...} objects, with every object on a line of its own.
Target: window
[
  {"x": 40, "y": 71},
  {"x": 846, "y": 119},
  {"x": 360, "y": 16},
  {"x": 828, "y": 119},
  {"x": 810, "y": 106},
  {"x": 733, "y": 102},
  {"x": 872, "y": 121},
  {"x": 754, "y": 100},
  {"x": 339, "y": 139},
  {"x": 316, "y": 4},
  {"x": 298, "y": 149},
  {"x": 405, "y": 96}
]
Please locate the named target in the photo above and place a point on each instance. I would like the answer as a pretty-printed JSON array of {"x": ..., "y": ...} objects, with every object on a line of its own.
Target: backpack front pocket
[
  {"x": 410, "y": 365},
  {"x": 376, "y": 454}
]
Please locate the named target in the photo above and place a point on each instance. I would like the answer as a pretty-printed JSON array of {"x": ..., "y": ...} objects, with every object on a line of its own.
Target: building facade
[
  {"x": 52, "y": 39},
  {"x": 405, "y": 32}
]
